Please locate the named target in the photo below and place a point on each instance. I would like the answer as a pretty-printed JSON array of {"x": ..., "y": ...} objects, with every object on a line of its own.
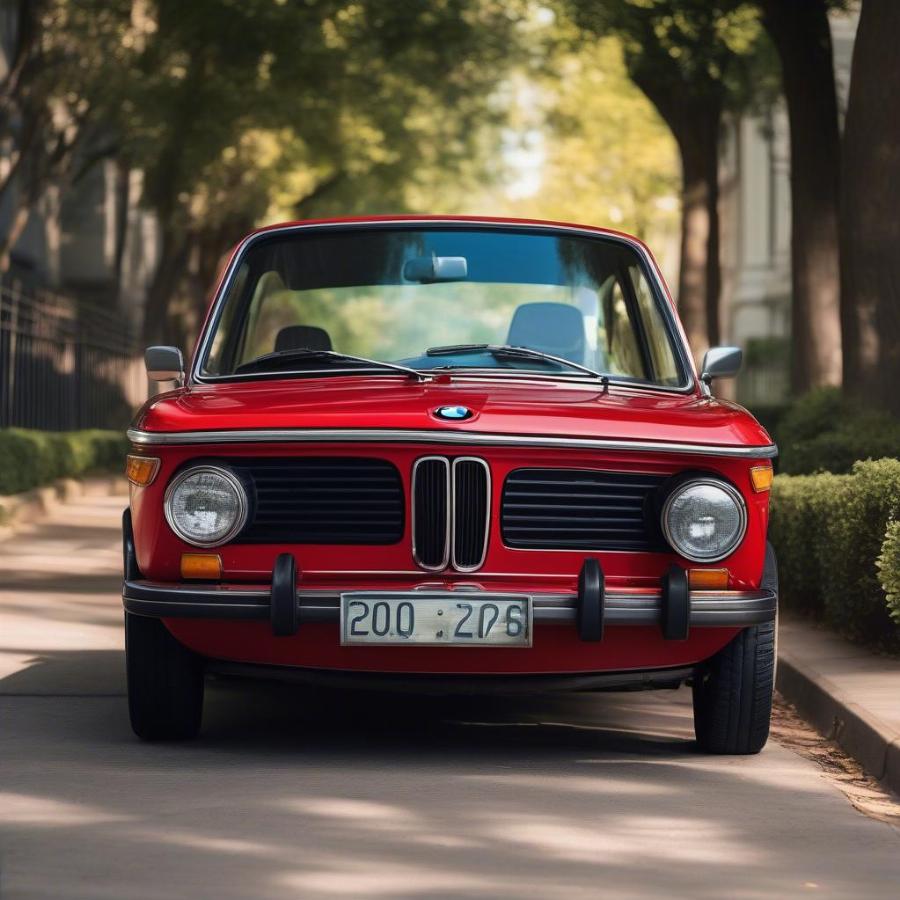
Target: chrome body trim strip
[
  {"x": 724, "y": 609},
  {"x": 469, "y": 438}
]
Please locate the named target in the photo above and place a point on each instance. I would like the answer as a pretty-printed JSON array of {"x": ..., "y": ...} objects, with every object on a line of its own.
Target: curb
[
  {"x": 32, "y": 506},
  {"x": 874, "y": 744}
]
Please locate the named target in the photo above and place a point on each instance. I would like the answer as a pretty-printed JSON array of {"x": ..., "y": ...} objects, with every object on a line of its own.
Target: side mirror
[
  {"x": 164, "y": 364},
  {"x": 721, "y": 362}
]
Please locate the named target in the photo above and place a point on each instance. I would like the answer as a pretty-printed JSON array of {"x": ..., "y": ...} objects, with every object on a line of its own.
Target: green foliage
[
  {"x": 826, "y": 432},
  {"x": 606, "y": 156},
  {"x": 829, "y": 531},
  {"x": 889, "y": 569},
  {"x": 682, "y": 52},
  {"x": 32, "y": 458},
  {"x": 241, "y": 111}
]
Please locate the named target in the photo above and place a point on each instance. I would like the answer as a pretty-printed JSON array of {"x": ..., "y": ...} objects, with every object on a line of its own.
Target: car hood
[{"x": 511, "y": 407}]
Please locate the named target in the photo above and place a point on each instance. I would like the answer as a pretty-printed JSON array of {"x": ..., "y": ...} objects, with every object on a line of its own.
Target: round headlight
[
  {"x": 704, "y": 519},
  {"x": 206, "y": 506}
]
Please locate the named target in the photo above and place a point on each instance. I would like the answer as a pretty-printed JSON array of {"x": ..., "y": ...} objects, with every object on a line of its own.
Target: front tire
[
  {"x": 165, "y": 682},
  {"x": 733, "y": 690}
]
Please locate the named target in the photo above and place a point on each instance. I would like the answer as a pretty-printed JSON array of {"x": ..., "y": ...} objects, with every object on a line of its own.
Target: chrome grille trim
[
  {"x": 486, "y": 525},
  {"x": 448, "y": 513}
]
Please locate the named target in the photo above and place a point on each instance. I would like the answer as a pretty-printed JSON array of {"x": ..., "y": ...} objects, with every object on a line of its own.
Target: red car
[{"x": 468, "y": 453}]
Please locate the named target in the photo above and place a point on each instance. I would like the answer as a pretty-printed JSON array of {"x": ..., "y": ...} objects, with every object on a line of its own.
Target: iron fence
[{"x": 65, "y": 365}]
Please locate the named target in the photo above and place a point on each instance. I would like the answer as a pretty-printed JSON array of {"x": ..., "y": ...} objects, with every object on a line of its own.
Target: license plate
[{"x": 436, "y": 618}]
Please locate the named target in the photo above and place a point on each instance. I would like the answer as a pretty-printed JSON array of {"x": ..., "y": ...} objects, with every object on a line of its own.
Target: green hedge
[
  {"x": 889, "y": 569},
  {"x": 32, "y": 458},
  {"x": 839, "y": 550},
  {"x": 825, "y": 432}
]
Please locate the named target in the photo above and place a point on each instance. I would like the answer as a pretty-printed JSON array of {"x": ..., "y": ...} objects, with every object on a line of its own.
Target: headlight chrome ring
[
  {"x": 715, "y": 555},
  {"x": 240, "y": 495}
]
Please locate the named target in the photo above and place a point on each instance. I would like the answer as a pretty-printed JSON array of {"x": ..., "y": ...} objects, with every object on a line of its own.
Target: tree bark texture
[
  {"x": 802, "y": 37},
  {"x": 870, "y": 211}
]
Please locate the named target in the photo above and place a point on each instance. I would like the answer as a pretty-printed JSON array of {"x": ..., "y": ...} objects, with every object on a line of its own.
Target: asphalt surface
[{"x": 294, "y": 794}]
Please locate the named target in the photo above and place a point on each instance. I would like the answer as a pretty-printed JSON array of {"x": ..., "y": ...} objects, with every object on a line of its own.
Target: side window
[
  {"x": 618, "y": 339},
  {"x": 273, "y": 307},
  {"x": 665, "y": 368},
  {"x": 227, "y": 327}
]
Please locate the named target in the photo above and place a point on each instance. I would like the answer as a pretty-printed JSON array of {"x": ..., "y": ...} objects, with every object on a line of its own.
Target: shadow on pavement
[{"x": 296, "y": 792}]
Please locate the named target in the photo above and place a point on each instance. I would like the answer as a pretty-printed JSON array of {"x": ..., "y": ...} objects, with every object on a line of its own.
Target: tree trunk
[
  {"x": 172, "y": 263},
  {"x": 8, "y": 241},
  {"x": 695, "y": 124},
  {"x": 870, "y": 199},
  {"x": 699, "y": 279},
  {"x": 123, "y": 207},
  {"x": 802, "y": 38}
]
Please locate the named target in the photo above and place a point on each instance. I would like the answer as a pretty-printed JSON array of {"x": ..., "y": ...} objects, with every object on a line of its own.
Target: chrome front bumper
[{"x": 727, "y": 609}]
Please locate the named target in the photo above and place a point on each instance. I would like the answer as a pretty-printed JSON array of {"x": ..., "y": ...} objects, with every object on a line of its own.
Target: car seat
[
  {"x": 554, "y": 328},
  {"x": 302, "y": 337}
]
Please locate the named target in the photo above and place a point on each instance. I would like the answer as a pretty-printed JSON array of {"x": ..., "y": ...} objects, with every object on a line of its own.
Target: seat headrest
[
  {"x": 306, "y": 337},
  {"x": 555, "y": 328}
]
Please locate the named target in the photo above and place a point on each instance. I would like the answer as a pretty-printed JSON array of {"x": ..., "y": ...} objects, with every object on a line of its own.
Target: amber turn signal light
[
  {"x": 761, "y": 478},
  {"x": 207, "y": 566},
  {"x": 141, "y": 470},
  {"x": 708, "y": 579}
]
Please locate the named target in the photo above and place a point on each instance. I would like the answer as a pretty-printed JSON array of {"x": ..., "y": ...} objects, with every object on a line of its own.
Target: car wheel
[
  {"x": 165, "y": 682},
  {"x": 733, "y": 690}
]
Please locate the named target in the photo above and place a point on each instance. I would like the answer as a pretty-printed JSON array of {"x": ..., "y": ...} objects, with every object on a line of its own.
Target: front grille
[
  {"x": 471, "y": 504},
  {"x": 323, "y": 500},
  {"x": 431, "y": 512},
  {"x": 576, "y": 509}
]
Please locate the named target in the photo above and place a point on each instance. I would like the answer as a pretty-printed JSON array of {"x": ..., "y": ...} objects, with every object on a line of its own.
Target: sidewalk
[{"x": 846, "y": 692}]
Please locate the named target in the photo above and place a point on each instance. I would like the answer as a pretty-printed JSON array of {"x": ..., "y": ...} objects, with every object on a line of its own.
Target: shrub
[
  {"x": 799, "y": 505},
  {"x": 823, "y": 431},
  {"x": 889, "y": 569},
  {"x": 32, "y": 458},
  {"x": 829, "y": 531}
]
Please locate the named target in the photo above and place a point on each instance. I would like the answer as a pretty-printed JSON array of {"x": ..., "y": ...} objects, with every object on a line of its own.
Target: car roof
[{"x": 454, "y": 219}]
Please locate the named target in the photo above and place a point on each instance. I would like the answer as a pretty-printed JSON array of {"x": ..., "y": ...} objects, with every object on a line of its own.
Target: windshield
[{"x": 392, "y": 294}]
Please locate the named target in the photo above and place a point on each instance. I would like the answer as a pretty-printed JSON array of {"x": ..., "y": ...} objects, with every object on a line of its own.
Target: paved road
[{"x": 287, "y": 795}]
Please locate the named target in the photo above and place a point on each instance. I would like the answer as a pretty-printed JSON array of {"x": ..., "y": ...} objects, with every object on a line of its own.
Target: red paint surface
[
  {"x": 500, "y": 406},
  {"x": 556, "y": 649},
  {"x": 159, "y": 549},
  {"x": 514, "y": 407}
]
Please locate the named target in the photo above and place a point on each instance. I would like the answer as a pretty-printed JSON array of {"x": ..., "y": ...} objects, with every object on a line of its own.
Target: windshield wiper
[
  {"x": 508, "y": 351},
  {"x": 281, "y": 358}
]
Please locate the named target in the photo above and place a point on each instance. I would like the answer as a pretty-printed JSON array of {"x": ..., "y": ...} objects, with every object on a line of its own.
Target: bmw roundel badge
[{"x": 454, "y": 413}]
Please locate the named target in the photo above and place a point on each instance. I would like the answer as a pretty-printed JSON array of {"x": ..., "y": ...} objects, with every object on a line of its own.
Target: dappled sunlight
[
  {"x": 369, "y": 877},
  {"x": 576, "y": 784},
  {"x": 626, "y": 839},
  {"x": 291, "y": 792},
  {"x": 45, "y": 812},
  {"x": 210, "y": 843},
  {"x": 769, "y": 769},
  {"x": 362, "y": 813}
]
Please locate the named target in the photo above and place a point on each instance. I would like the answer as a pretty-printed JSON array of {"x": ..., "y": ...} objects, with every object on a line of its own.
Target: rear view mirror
[
  {"x": 721, "y": 362},
  {"x": 435, "y": 268},
  {"x": 164, "y": 364}
]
